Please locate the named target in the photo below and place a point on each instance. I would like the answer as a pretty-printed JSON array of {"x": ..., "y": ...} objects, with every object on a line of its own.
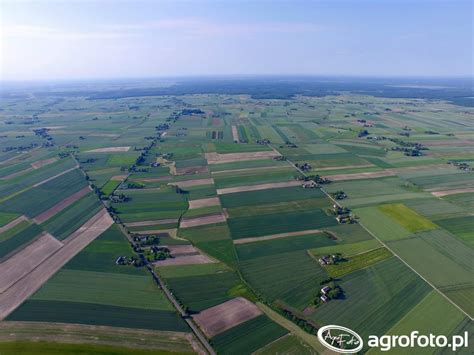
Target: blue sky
[{"x": 72, "y": 39}]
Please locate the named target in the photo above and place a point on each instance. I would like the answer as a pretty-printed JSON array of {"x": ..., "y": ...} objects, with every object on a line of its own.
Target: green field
[
  {"x": 200, "y": 292},
  {"x": 96, "y": 314},
  {"x": 104, "y": 288},
  {"x": 283, "y": 245},
  {"x": 444, "y": 320},
  {"x": 19, "y": 239},
  {"x": 376, "y": 298},
  {"x": 248, "y": 336},
  {"x": 255, "y": 226},
  {"x": 70, "y": 219},
  {"x": 401, "y": 229},
  {"x": 54, "y": 348},
  {"x": 292, "y": 277},
  {"x": 357, "y": 262},
  {"x": 408, "y": 218}
]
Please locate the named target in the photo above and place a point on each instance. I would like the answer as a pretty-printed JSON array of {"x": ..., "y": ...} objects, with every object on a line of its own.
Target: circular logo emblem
[{"x": 340, "y": 339}]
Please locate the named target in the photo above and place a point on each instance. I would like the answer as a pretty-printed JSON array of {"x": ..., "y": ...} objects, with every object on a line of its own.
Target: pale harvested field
[
  {"x": 448, "y": 143},
  {"x": 345, "y": 167},
  {"x": 360, "y": 176},
  {"x": 101, "y": 335},
  {"x": 185, "y": 260},
  {"x": 235, "y": 134},
  {"x": 452, "y": 192},
  {"x": 40, "y": 163},
  {"x": 61, "y": 205},
  {"x": 23, "y": 262},
  {"x": 18, "y": 173},
  {"x": 26, "y": 286},
  {"x": 163, "y": 178},
  {"x": 110, "y": 135},
  {"x": 273, "y": 185},
  {"x": 419, "y": 168},
  {"x": 192, "y": 170},
  {"x": 191, "y": 183},
  {"x": 109, "y": 150},
  {"x": 184, "y": 255},
  {"x": 276, "y": 236},
  {"x": 216, "y": 158},
  {"x": 171, "y": 232},
  {"x": 204, "y": 202},
  {"x": 55, "y": 127},
  {"x": 262, "y": 168},
  {"x": 152, "y": 222},
  {"x": 118, "y": 177},
  {"x": 226, "y": 315},
  {"x": 13, "y": 223},
  {"x": 200, "y": 221},
  {"x": 54, "y": 177}
]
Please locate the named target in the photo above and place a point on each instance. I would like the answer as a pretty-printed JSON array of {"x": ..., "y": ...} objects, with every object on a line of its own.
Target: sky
[{"x": 86, "y": 39}]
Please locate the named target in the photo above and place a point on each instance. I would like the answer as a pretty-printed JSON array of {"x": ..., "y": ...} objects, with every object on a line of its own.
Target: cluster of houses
[
  {"x": 324, "y": 294},
  {"x": 339, "y": 195},
  {"x": 119, "y": 198},
  {"x": 279, "y": 158},
  {"x": 343, "y": 214},
  {"x": 309, "y": 184},
  {"x": 461, "y": 166},
  {"x": 291, "y": 145},
  {"x": 364, "y": 123},
  {"x": 155, "y": 253},
  {"x": 129, "y": 260},
  {"x": 329, "y": 259},
  {"x": 146, "y": 240},
  {"x": 304, "y": 167},
  {"x": 264, "y": 141}
]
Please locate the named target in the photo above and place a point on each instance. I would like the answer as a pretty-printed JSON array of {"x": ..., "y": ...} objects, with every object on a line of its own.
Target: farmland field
[{"x": 182, "y": 198}]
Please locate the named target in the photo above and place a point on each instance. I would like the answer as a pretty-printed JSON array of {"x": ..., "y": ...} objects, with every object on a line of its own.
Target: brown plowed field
[{"x": 226, "y": 315}]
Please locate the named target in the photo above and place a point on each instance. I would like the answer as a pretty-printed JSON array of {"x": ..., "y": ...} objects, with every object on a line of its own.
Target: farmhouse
[
  {"x": 324, "y": 298},
  {"x": 309, "y": 184},
  {"x": 325, "y": 290}
]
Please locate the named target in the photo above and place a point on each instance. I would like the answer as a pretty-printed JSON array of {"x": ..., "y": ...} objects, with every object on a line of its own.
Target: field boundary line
[
  {"x": 416, "y": 272},
  {"x": 13, "y": 223},
  {"x": 276, "y": 236},
  {"x": 54, "y": 177},
  {"x": 395, "y": 254}
]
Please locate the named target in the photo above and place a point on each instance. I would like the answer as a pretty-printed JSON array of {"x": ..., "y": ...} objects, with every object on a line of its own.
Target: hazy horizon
[{"x": 130, "y": 40}]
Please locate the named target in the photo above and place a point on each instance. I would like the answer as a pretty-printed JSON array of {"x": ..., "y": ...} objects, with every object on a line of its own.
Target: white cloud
[
  {"x": 192, "y": 26},
  {"x": 42, "y": 32}
]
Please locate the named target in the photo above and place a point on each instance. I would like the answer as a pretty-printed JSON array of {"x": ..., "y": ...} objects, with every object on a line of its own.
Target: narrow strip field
[
  {"x": 452, "y": 192},
  {"x": 190, "y": 183},
  {"x": 12, "y": 224},
  {"x": 23, "y": 262},
  {"x": 276, "y": 236},
  {"x": 127, "y": 338},
  {"x": 235, "y": 134},
  {"x": 21, "y": 290},
  {"x": 216, "y": 158},
  {"x": 273, "y": 185},
  {"x": 40, "y": 163},
  {"x": 54, "y": 177},
  {"x": 226, "y": 315},
  {"x": 200, "y": 221},
  {"x": 204, "y": 202},
  {"x": 61, "y": 205},
  {"x": 109, "y": 150},
  {"x": 152, "y": 223},
  {"x": 360, "y": 176}
]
